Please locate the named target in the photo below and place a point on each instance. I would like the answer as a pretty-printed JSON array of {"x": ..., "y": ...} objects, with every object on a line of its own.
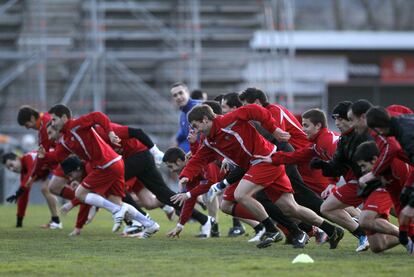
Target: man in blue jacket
[{"x": 181, "y": 96}]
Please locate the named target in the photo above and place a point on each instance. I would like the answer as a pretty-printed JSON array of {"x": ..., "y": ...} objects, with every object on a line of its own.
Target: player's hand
[
  {"x": 281, "y": 135},
  {"x": 183, "y": 181},
  {"x": 406, "y": 215},
  {"x": 366, "y": 178},
  {"x": 317, "y": 163},
  {"x": 192, "y": 136},
  {"x": 41, "y": 152},
  {"x": 327, "y": 191},
  {"x": 175, "y": 233},
  {"x": 12, "y": 199},
  {"x": 115, "y": 140},
  {"x": 180, "y": 198}
]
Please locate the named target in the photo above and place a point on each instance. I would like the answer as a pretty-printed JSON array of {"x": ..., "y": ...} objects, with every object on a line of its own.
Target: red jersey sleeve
[
  {"x": 389, "y": 149},
  {"x": 196, "y": 164},
  {"x": 299, "y": 156},
  {"x": 94, "y": 118},
  {"x": 253, "y": 112}
]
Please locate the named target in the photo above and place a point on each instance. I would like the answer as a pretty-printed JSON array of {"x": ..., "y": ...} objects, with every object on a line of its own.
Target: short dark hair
[
  {"x": 197, "y": 113},
  {"x": 232, "y": 100},
  {"x": 8, "y": 156},
  {"x": 71, "y": 164},
  {"x": 378, "y": 117},
  {"x": 360, "y": 107},
  {"x": 214, "y": 105},
  {"x": 197, "y": 94},
  {"x": 177, "y": 84},
  {"x": 173, "y": 154},
  {"x": 316, "y": 116},
  {"x": 25, "y": 113},
  {"x": 60, "y": 110},
  {"x": 251, "y": 94},
  {"x": 218, "y": 98},
  {"x": 366, "y": 151}
]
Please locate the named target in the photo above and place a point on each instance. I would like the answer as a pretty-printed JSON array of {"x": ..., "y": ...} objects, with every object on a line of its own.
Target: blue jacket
[{"x": 184, "y": 125}]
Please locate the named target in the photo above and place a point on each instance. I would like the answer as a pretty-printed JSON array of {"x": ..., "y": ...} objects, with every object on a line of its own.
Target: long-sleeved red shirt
[
  {"x": 234, "y": 138},
  {"x": 28, "y": 163},
  {"x": 42, "y": 134},
  {"x": 80, "y": 138}
]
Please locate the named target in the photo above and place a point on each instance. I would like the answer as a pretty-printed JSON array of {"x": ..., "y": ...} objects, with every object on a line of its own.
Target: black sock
[
  {"x": 236, "y": 222},
  {"x": 55, "y": 219},
  {"x": 19, "y": 222},
  {"x": 201, "y": 218},
  {"x": 258, "y": 228},
  {"x": 305, "y": 227},
  {"x": 268, "y": 224},
  {"x": 358, "y": 232},
  {"x": 328, "y": 228},
  {"x": 403, "y": 237},
  {"x": 129, "y": 200}
]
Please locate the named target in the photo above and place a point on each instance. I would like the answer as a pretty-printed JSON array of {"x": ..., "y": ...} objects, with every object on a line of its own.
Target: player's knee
[
  {"x": 225, "y": 208},
  {"x": 80, "y": 195},
  {"x": 45, "y": 190},
  {"x": 365, "y": 221}
]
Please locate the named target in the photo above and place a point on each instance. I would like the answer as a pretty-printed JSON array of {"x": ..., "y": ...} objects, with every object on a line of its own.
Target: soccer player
[
  {"x": 342, "y": 164},
  {"x": 79, "y": 137},
  {"x": 382, "y": 234},
  {"x": 232, "y": 137},
  {"x": 181, "y": 95},
  {"x": 31, "y": 118},
  {"x": 401, "y": 127},
  {"x": 175, "y": 159},
  {"x": 23, "y": 166}
]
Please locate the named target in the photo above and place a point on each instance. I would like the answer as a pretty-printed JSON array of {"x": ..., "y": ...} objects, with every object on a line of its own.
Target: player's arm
[
  {"x": 197, "y": 162},
  {"x": 333, "y": 168},
  {"x": 299, "y": 156},
  {"x": 98, "y": 118}
]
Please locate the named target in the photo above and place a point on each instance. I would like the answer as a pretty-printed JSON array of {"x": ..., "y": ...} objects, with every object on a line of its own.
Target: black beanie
[{"x": 341, "y": 110}]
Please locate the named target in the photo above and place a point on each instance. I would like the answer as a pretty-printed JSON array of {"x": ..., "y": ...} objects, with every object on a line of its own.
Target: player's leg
[
  {"x": 22, "y": 202},
  {"x": 52, "y": 205}
]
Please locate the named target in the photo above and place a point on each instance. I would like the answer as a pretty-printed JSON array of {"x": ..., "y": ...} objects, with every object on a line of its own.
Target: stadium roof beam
[
  {"x": 331, "y": 40},
  {"x": 7, "y": 6},
  {"x": 76, "y": 81},
  {"x": 15, "y": 72}
]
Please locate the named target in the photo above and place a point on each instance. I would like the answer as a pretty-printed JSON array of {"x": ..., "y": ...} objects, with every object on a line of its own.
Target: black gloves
[
  {"x": 317, "y": 163},
  {"x": 407, "y": 196},
  {"x": 14, "y": 197}
]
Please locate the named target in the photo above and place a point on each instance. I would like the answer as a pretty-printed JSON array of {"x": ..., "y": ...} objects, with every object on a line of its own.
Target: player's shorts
[
  {"x": 228, "y": 193},
  {"x": 266, "y": 174},
  {"x": 347, "y": 194},
  {"x": 108, "y": 181},
  {"x": 380, "y": 202},
  {"x": 134, "y": 185}
]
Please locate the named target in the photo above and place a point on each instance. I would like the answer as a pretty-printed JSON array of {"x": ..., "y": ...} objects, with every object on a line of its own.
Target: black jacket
[
  {"x": 402, "y": 128},
  {"x": 342, "y": 160}
]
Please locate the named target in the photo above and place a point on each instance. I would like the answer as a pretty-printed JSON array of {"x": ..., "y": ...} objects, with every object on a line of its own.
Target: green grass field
[{"x": 32, "y": 251}]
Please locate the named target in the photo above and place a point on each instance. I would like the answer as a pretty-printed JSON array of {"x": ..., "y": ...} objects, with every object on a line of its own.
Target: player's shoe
[
  {"x": 75, "y": 232},
  {"x": 119, "y": 217},
  {"x": 410, "y": 247},
  {"x": 320, "y": 236},
  {"x": 169, "y": 212},
  {"x": 206, "y": 228},
  {"x": 215, "y": 232},
  {"x": 257, "y": 237},
  {"x": 363, "y": 244},
  {"x": 236, "y": 231},
  {"x": 91, "y": 214},
  {"x": 132, "y": 228},
  {"x": 149, "y": 231},
  {"x": 269, "y": 238},
  {"x": 300, "y": 241},
  {"x": 66, "y": 208},
  {"x": 336, "y": 238}
]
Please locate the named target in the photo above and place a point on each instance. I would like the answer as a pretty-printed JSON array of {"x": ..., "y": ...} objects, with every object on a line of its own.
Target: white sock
[
  {"x": 139, "y": 216},
  {"x": 94, "y": 199}
]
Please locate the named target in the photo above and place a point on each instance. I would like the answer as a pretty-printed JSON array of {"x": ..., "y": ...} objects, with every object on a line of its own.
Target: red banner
[{"x": 397, "y": 69}]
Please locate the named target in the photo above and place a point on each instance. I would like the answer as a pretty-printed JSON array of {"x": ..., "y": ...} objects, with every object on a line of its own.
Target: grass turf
[{"x": 32, "y": 251}]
